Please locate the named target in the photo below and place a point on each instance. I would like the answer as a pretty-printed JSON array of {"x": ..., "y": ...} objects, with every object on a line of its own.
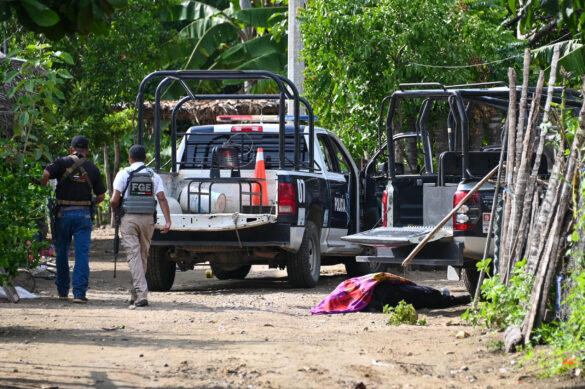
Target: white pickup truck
[{"x": 220, "y": 214}]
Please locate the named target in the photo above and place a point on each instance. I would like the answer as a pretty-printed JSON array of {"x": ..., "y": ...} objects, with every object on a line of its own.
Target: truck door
[{"x": 338, "y": 171}]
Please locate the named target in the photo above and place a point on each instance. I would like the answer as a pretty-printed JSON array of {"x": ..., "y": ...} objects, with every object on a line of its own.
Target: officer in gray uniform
[{"x": 136, "y": 189}]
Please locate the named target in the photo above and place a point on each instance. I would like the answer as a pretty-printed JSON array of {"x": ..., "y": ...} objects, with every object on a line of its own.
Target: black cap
[
  {"x": 138, "y": 153},
  {"x": 80, "y": 142}
]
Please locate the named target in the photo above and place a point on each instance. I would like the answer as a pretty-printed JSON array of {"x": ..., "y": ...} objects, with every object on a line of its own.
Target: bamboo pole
[
  {"x": 554, "y": 237},
  {"x": 510, "y": 168},
  {"x": 448, "y": 217},
  {"x": 515, "y": 228},
  {"x": 523, "y": 104}
]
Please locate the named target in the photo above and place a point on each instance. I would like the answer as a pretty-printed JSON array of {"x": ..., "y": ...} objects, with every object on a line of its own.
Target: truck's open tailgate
[{"x": 396, "y": 236}]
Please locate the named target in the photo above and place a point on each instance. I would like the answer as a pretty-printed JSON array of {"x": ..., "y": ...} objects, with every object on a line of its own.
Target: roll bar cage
[
  {"x": 286, "y": 91},
  {"x": 459, "y": 98}
]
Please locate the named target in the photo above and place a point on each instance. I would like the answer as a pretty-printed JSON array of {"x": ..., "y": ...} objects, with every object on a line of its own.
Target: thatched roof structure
[{"x": 205, "y": 112}]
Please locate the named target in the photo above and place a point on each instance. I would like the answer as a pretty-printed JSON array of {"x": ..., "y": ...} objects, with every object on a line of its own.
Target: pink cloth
[{"x": 355, "y": 294}]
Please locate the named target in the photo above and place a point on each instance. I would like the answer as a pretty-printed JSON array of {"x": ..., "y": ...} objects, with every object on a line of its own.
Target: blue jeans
[{"x": 76, "y": 224}]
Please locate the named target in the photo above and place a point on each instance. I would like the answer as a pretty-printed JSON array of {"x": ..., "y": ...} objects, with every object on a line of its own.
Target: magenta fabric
[{"x": 354, "y": 294}]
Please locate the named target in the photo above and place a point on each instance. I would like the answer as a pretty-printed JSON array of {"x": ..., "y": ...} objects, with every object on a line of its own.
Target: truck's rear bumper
[
  {"x": 442, "y": 253},
  {"x": 273, "y": 234},
  {"x": 215, "y": 221}
]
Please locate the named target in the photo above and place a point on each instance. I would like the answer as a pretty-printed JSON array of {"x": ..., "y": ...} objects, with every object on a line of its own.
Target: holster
[{"x": 93, "y": 209}]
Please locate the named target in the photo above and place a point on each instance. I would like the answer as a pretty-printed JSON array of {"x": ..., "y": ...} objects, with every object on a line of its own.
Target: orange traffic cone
[{"x": 260, "y": 173}]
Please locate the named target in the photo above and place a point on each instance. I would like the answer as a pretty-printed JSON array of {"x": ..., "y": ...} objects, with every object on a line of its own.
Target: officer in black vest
[
  {"x": 76, "y": 178},
  {"x": 137, "y": 188}
]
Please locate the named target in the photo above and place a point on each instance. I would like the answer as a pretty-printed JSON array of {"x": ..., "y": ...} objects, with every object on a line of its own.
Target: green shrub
[
  {"x": 22, "y": 211},
  {"x": 403, "y": 313},
  {"x": 502, "y": 304}
]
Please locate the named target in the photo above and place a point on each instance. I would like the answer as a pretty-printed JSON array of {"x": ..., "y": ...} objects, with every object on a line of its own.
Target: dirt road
[{"x": 255, "y": 333}]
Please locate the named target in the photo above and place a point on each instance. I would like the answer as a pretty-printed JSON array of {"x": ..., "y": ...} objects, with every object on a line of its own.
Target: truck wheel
[
  {"x": 470, "y": 277},
  {"x": 234, "y": 274},
  {"x": 304, "y": 267},
  {"x": 160, "y": 271}
]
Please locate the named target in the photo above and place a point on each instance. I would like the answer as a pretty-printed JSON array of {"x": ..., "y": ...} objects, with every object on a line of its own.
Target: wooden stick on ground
[{"x": 9, "y": 289}]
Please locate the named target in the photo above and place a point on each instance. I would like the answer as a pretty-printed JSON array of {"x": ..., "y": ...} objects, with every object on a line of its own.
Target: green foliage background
[
  {"x": 356, "y": 52},
  {"x": 22, "y": 209}
]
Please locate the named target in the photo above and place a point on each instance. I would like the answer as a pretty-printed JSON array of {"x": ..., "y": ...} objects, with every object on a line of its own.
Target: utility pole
[{"x": 295, "y": 44}]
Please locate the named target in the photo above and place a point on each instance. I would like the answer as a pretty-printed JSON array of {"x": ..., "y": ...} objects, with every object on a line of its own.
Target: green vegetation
[
  {"x": 357, "y": 52},
  {"x": 55, "y": 20},
  {"x": 22, "y": 212},
  {"x": 502, "y": 304},
  {"x": 403, "y": 313}
]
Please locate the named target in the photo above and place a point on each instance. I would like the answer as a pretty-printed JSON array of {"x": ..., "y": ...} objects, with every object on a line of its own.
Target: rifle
[{"x": 117, "y": 237}]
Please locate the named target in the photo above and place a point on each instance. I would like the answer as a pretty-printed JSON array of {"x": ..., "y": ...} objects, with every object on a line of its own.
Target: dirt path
[{"x": 255, "y": 333}]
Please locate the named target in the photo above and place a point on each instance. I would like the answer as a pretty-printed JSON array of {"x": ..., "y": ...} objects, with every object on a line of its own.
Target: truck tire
[
  {"x": 160, "y": 271},
  {"x": 470, "y": 277},
  {"x": 304, "y": 267},
  {"x": 234, "y": 274}
]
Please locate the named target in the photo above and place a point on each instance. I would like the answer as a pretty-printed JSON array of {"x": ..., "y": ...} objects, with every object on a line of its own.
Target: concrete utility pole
[{"x": 295, "y": 44}]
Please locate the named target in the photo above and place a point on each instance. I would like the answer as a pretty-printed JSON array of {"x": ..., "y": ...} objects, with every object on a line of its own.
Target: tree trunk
[
  {"x": 476, "y": 135},
  {"x": 116, "y": 154},
  {"x": 107, "y": 170}
]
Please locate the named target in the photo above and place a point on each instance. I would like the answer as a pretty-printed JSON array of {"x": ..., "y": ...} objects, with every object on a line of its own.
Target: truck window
[
  {"x": 325, "y": 153},
  {"x": 199, "y": 148},
  {"x": 342, "y": 161}
]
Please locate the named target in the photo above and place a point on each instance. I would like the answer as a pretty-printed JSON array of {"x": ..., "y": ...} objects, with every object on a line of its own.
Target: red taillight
[
  {"x": 385, "y": 209},
  {"x": 247, "y": 128},
  {"x": 286, "y": 198},
  {"x": 468, "y": 215}
]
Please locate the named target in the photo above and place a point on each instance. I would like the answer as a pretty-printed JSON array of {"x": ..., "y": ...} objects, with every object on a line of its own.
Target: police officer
[
  {"x": 76, "y": 178},
  {"x": 139, "y": 186}
]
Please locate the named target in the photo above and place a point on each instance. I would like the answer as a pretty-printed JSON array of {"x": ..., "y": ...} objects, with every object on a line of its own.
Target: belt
[{"x": 73, "y": 207}]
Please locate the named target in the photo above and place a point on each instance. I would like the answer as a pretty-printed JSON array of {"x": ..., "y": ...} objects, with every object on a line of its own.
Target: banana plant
[
  {"x": 572, "y": 55},
  {"x": 231, "y": 38}
]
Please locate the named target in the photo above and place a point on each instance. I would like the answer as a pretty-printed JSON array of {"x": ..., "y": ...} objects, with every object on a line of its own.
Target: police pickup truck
[
  {"x": 229, "y": 210},
  {"x": 415, "y": 180}
]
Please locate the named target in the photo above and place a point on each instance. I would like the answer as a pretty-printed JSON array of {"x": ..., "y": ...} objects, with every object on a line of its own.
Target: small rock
[
  {"x": 578, "y": 372},
  {"x": 141, "y": 355},
  {"x": 462, "y": 335}
]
